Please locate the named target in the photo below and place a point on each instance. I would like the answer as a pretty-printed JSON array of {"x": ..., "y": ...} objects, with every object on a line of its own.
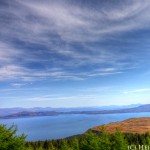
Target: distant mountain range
[{"x": 6, "y": 113}]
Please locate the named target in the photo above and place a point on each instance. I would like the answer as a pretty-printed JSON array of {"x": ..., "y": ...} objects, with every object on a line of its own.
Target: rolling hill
[{"x": 133, "y": 125}]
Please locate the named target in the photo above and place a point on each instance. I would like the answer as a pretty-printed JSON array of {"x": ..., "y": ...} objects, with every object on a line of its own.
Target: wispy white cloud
[
  {"x": 104, "y": 74},
  {"x": 76, "y": 23},
  {"x": 19, "y": 85},
  {"x": 56, "y": 97},
  {"x": 137, "y": 91},
  {"x": 8, "y": 54},
  {"x": 73, "y": 22},
  {"x": 10, "y": 72}
]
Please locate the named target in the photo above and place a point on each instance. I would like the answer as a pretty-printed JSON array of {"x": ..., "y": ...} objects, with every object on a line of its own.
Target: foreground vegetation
[
  {"x": 9, "y": 140},
  {"x": 103, "y": 141},
  {"x": 90, "y": 141}
]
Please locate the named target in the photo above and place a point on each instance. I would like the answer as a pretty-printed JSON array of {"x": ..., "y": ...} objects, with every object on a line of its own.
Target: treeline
[
  {"x": 89, "y": 141},
  {"x": 92, "y": 141}
]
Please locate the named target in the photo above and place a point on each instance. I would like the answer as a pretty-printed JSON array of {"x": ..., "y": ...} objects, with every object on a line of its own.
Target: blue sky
[{"x": 69, "y": 53}]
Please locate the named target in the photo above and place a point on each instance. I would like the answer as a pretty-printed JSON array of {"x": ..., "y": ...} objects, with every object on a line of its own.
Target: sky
[{"x": 74, "y": 53}]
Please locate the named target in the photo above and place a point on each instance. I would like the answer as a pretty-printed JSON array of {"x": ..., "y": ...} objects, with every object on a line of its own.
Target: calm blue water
[{"x": 55, "y": 127}]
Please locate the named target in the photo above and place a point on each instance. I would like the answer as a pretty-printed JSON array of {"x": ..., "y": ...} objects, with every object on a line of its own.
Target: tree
[
  {"x": 74, "y": 143},
  {"x": 118, "y": 141},
  {"x": 65, "y": 145},
  {"x": 104, "y": 140},
  {"x": 9, "y": 140},
  {"x": 90, "y": 142}
]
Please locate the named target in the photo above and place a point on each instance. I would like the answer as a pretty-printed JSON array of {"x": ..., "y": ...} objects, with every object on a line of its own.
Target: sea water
[{"x": 61, "y": 126}]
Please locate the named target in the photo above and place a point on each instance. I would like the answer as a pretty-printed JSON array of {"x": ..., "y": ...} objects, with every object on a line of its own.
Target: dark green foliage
[
  {"x": 118, "y": 141},
  {"x": 92, "y": 141},
  {"x": 9, "y": 140}
]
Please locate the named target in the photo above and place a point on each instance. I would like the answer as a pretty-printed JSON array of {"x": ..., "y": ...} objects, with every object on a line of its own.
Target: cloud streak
[{"x": 137, "y": 91}]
